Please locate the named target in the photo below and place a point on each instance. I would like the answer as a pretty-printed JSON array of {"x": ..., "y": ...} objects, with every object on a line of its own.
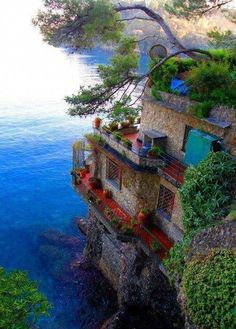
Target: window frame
[
  {"x": 186, "y": 133},
  {"x": 116, "y": 183},
  {"x": 160, "y": 204}
]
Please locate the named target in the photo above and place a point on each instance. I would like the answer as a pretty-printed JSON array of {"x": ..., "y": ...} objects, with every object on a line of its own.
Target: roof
[{"x": 154, "y": 134}]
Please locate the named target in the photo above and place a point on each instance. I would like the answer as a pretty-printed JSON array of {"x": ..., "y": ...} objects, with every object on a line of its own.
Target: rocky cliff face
[
  {"x": 144, "y": 294},
  {"x": 218, "y": 237}
]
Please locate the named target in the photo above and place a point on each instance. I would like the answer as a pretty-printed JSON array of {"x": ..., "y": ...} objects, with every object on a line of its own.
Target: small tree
[
  {"x": 21, "y": 304},
  {"x": 81, "y": 24}
]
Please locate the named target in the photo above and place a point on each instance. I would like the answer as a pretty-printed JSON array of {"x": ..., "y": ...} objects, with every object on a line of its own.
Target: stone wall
[
  {"x": 135, "y": 276},
  {"x": 140, "y": 190},
  {"x": 172, "y": 121},
  {"x": 173, "y": 227}
]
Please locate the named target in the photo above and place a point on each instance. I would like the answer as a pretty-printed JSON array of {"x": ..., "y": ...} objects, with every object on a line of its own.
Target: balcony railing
[
  {"x": 115, "y": 218},
  {"x": 165, "y": 165}
]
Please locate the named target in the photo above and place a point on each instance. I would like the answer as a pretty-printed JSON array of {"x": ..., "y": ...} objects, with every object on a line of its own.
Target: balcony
[
  {"x": 165, "y": 165},
  {"x": 119, "y": 222}
]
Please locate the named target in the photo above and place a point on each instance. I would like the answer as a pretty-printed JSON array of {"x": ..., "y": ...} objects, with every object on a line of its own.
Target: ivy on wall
[
  {"x": 210, "y": 290},
  {"x": 206, "y": 196}
]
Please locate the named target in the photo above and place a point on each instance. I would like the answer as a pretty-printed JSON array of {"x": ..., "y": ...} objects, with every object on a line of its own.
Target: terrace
[
  {"x": 119, "y": 222},
  {"x": 165, "y": 165}
]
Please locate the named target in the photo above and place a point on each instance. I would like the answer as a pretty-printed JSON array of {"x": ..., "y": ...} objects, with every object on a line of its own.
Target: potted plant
[
  {"x": 106, "y": 129},
  {"x": 138, "y": 120},
  {"x": 126, "y": 229},
  {"x": 87, "y": 168},
  {"x": 107, "y": 193},
  {"x": 131, "y": 120},
  {"x": 155, "y": 246},
  {"x": 117, "y": 135},
  {"x": 143, "y": 216},
  {"x": 154, "y": 152},
  {"x": 127, "y": 143},
  {"x": 125, "y": 124},
  {"x": 113, "y": 125},
  {"x": 94, "y": 182},
  {"x": 97, "y": 122}
]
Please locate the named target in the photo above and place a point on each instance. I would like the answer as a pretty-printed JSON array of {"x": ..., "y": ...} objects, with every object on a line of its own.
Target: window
[
  {"x": 186, "y": 132},
  {"x": 165, "y": 202},
  {"x": 113, "y": 173}
]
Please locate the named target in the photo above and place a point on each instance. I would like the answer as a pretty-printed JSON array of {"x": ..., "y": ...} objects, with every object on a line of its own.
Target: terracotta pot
[
  {"x": 142, "y": 218},
  {"x": 113, "y": 126},
  {"x": 125, "y": 124},
  {"x": 97, "y": 122},
  {"x": 94, "y": 182},
  {"x": 87, "y": 167},
  {"x": 107, "y": 194}
]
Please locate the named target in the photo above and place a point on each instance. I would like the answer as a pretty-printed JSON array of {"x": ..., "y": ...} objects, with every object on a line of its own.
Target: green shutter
[{"x": 198, "y": 146}]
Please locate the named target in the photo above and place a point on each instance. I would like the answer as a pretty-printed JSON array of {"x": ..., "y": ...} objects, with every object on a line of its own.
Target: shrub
[
  {"x": 155, "y": 246},
  {"x": 117, "y": 135},
  {"x": 175, "y": 262},
  {"x": 162, "y": 76},
  {"x": 210, "y": 290},
  {"x": 213, "y": 81},
  {"x": 127, "y": 142},
  {"x": 208, "y": 76},
  {"x": 208, "y": 191},
  {"x": 21, "y": 302},
  {"x": 202, "y": 110}
]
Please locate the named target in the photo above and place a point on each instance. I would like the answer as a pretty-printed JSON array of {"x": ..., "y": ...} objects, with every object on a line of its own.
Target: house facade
[{"x": 136, "y": 180}]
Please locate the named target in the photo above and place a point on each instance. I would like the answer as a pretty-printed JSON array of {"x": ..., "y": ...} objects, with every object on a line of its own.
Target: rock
[
  {"x": 136, "y": 277},
  {"x": 81, "y": 223},
  {"x": 220, "y": 236},
  {"x": 56, "y": 260},
  {"x": 136, "y": 318},
  {"x": 57, "y": 238}
]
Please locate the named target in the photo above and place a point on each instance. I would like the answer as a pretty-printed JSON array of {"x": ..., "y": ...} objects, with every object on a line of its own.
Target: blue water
[{"x": 36, "y": 136}]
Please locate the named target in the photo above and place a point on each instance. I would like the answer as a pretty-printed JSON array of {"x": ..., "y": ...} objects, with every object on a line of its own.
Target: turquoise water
[
  {"x": 36, "y": 195},
  {"x": 36, "y": 136}
]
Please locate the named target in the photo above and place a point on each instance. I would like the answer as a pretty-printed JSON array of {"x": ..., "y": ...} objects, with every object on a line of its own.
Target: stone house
[{"x": 138, "y": 181}]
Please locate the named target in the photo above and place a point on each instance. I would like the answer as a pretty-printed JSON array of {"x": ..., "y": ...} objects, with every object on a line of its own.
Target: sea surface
[{"x": 36, "y": 197}]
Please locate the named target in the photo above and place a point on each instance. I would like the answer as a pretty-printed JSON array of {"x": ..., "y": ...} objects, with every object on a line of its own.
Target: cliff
[{"x": 143, "y": 291}]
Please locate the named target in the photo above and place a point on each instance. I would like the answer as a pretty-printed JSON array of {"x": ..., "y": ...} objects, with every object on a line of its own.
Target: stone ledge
[{"x": 181, "y": 104}]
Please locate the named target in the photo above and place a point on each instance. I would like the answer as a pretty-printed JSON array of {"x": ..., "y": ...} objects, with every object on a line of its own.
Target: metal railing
[{"x": 166, "y": 165}]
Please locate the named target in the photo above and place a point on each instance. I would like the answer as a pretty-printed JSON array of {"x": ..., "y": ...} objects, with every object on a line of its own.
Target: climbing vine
[{"x": 210, "y": 290}]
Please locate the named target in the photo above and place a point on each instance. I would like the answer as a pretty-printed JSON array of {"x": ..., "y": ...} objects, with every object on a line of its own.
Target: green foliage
[
  {"x": 207, "y": 191},
  {"x": 21, "y": 304},
  {"x": 155, "y": 246},
  {"x": 190, "y": 9},
  {"x": 122, "y": 112},
  {"x": 162, "y": 76},
  {"x": 79, "y": 24},
  {"x": 127, "y": 142},
  {"x": 212, "y": 81},
  {"x": 118, "y": 74},
  {"x": 219, "y": 39},
  {"x": 175, "y": 262},
  {"x": 97, "y": 139},
  {"x": 210, "y": 290},
  {"x": 117, "y": 135},
  {"x": 155, "y": 151},
  {"x": 202, "y": 110}
]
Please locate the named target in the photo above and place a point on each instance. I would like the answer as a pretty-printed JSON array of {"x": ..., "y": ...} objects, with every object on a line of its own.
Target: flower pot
[
  {"x": 125, "y": 124},
  {"x": 107, "y": 194},
  {"x": 94, "y": 182},
  {"x": 143, "y": 218},
  {"x": 113, "y": 126},
  {"x": 97, "y": 122},
  {"x": 87, "y": 167}
]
